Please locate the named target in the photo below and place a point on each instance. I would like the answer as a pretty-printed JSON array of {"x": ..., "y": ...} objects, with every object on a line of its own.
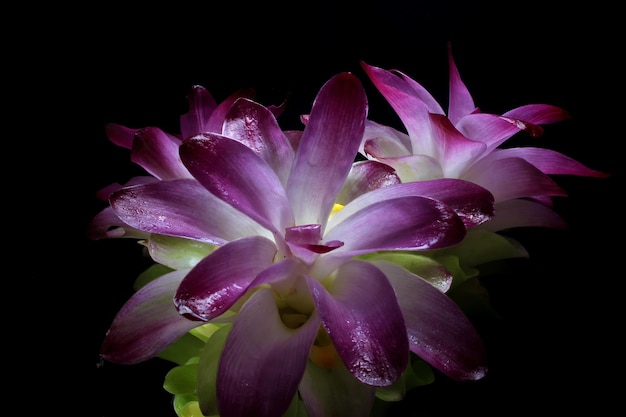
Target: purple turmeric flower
[
  {"x": 464, "y": 144},
  {"x": 279, "y": 258}
]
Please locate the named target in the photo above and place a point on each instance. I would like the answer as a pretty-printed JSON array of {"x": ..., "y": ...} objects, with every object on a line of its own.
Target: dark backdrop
[{"x": 555, "y": 346}]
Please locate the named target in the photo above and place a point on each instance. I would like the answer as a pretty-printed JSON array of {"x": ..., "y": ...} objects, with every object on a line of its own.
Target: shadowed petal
[
  {"x": 362, "y": 317},
  {"x": 182, "y": 208},
  {"x": 218, "y": 281},
  {"x": 327, "y": 149},
  {"x": 263, "y": 360},
  {"x": 157, "y": 152},
  {"x": 237, "y": 175},
  {"x": 549, "y": 161},
  {"x": 439, "y": 332},
  {"x": 147, "y": 323},
  {"x": 509, "y": 178},
  {"x": 335, "y": 392}
]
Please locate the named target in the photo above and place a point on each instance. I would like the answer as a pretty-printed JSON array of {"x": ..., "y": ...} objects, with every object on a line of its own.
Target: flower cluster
[{"x": 305, "y": 272}]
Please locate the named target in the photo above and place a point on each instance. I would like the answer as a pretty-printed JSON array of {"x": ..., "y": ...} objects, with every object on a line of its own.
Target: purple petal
[
  {"x": 409, "y": 105},
  {"x": 205, "y": 115},
  {"x": 524, "y": 213},
  {"x": 439, "y": 332},
  {"x": 106, "y": 224},
  {"x": 363, "y": 319},
  {"x": 182, "y": 208},
  {"x": 327, "y": 149},
  {"x": 147, "y": 323},
  {"x": 220, "y": 279},
  {"x": 157, "y": 152},
  {"x": 366, "y": 176},
  {"x": 335, "y": 392},
  {"x": 472, "y": 203},
  {"x": 256, "y": 127},
  {"x": 549, "y": 161},
  {"x": 409, "y": 223},
  {"x": 461, "y": 101},
  {"x": 263, "y": 360},
  {"x": 538, "y": 114},
  {"x": 237, "y": 175},
  {"x": 120, "y": 135},
  {"x": 509, "y": 178},
  {"x": 493, "y": 130}
]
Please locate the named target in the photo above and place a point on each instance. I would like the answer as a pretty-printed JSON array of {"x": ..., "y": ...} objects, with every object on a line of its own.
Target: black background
[{"x": 556, "y": 346}]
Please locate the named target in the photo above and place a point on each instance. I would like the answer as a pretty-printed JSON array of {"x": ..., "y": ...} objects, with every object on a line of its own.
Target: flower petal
[
  {"x": 362, "y": 317},
  {"x": 327, "y": 149},
  {"x": 147, "y": 323},
  {"x": 157, "y": 152},
  {"x": 549, "y": 161},
  {"x": 439, "y": 332},
  {"x": 263, "y": 361},
  {"x": 412, "y": 223},
  {"x": 205, "y": 115},
  {"x": 256, "y": 127},
  {"x": 220, "y": 279},
  {"x": 509, "y": 178},
  {"x": 366, "y": 176},
  {"x": 182, "y": 208},
  {"x": 471, "y": 202},
  {"x": 237, "y": 175}
]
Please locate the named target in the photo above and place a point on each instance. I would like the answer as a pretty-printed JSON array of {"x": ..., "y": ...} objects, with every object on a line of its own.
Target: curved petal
[
  {"x": 538, "y": 114},
  {"x": 454, "y": 151},
  {"x": 362, "y": 317},
  {"x": 438, "y": 330},
  {"x": 461, "y": 101},
  {"x": 414, "y": 167},
  {"x": 524, "y": 213},
  {"x": 107, "y": 224},
  {"x": 384, "y": 147},
  {"x": 120, "y": 135},
  {"x": 157, "y": 153},
  {"x": 263, "y": 360},
  {"x": 493, "y": 130},
  {"x": 147, "y": 323},
  {"x": 411, "y": 109},
  {"x": 220, "y": 279},
  {"x": 375, "y": 130},
  {"x": 549, "y": 161},
  {"x": 335, "y": 392},
  {"x": 256, "y": 127},
  {"x": 205, "y": 115},
  {"x": 472, "y": 203},
  {"x": 412, "y": 223},
  {"x": 236, "y": 174},
  {"x": 182, "y": 208},
  {"x": 366, "y": 176},
  {"x": 327, "y": 149},
  {"x": 509, "y": 178}
]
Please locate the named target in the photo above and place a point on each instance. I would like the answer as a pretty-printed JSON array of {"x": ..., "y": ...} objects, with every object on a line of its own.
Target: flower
[
  {"x": 465, "y": 144},
  {"x": 256, "y": 241}
]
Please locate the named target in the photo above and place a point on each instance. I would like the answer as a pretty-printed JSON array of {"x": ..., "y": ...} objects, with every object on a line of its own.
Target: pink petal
[
  {"x": 234, "y": 173},
  {"x": 439, "y": 332},
  {"x": 147, "y": 323},
  {"x": 220, "y": 279},
  {"x": 362, "y": 317},
  {"x": 263, "y": 360},
  {"x": 327, "y": 149}
]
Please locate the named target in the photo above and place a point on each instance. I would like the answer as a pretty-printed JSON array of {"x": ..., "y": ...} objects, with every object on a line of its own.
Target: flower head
[
  {"x": 281, "y": 238},
  {"x": 466, "y": 143}
]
